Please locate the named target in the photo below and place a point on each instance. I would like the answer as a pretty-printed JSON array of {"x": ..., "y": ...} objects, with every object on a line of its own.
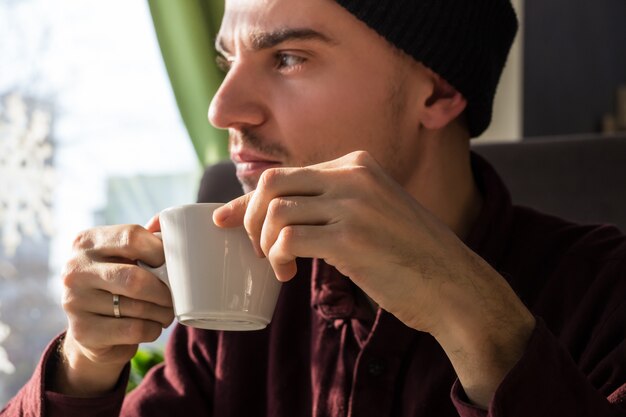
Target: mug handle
[{"x": 160, "y": 271}]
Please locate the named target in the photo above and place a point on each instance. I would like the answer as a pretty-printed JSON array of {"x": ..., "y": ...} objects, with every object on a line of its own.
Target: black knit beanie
[{"x": 464, "y": 41}]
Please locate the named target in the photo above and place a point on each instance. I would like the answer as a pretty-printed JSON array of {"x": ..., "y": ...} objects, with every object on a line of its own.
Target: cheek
[
  {"x": 311, "y": 125},
  {"x": 334, "y": 120}
]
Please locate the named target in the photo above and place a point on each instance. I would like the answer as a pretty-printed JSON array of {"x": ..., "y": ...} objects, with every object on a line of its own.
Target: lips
[{"x": 250, "y": 165}]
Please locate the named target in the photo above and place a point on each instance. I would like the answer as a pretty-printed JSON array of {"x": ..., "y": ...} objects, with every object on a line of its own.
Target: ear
[{"x": 443, "y": 106}]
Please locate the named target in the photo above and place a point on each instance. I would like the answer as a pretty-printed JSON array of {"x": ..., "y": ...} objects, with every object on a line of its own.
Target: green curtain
[{"x": 186, "y": 31}]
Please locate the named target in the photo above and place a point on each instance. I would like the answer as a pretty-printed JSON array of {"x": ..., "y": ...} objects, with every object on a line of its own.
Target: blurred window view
[{"x": 89, "y": 135}]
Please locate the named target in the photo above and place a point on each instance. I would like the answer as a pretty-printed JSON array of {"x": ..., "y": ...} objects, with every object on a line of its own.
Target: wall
[
  {"x": 507, "y": 119},
  {"x": 575, "y": 56}
]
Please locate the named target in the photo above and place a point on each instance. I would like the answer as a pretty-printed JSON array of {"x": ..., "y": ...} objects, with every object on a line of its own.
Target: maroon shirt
[{"x": 326, "y": 354}]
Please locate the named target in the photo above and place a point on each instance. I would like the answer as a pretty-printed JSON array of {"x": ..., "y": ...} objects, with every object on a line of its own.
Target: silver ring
[{"x": 116, "y": 306}]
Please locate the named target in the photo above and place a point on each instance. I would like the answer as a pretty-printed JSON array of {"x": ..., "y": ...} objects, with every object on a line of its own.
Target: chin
[{"x": 247, "y": 186}]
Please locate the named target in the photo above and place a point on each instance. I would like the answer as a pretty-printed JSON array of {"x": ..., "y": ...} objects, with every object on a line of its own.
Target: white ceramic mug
[{"x": 216, "y": 280}]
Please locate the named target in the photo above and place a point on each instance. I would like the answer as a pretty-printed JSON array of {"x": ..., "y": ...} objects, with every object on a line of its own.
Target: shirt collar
[{"x": 490, "y": 232}]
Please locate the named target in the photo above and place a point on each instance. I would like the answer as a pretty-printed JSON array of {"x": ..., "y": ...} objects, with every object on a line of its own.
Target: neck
[{"x": 443, "y": 182}]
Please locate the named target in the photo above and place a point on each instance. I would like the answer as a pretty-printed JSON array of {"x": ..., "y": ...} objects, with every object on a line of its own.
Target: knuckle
[
  {"x": 152, "y": 331},
  {"x": 251, "y": 223},
  {"x": 248, "y": 221},
  {"x": 136, "y": 331},
  {"x": 132, "y": 280},
  {"x": 361, "y": 158},
  {"x": 130, "y": 236},
  {"x": 130, "y": 330},
  {"x": 135, "y": 308},
  {"x": 276, "y": 207},
  {"x": 83, "y": 241},
  {"x": 71, "y": 272},
  {"x": 362, "y": 173},
  {"x": 69, "y": 301},
  {"x": 266, "y": 243},
  {"x": 164, "y": 316},
  {"x": 288, "y": 235},
  {"x": 269, "y": 178}
]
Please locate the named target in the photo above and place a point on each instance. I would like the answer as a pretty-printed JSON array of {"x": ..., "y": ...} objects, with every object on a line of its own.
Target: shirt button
[
  {"x": 338, "y": 323},
  {"x": 376, "y": 367}
]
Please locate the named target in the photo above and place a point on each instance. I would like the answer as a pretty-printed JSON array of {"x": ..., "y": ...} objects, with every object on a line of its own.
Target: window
[{"x": 89, "y": 134}]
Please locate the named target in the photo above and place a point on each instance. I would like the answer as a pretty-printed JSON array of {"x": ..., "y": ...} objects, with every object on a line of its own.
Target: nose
[{"x": 238, "y": 102}]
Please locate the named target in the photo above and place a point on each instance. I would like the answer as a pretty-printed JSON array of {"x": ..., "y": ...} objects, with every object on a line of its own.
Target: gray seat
[
  {"x": 219, "y": 184},
  {"x": 582, "y": 179}
]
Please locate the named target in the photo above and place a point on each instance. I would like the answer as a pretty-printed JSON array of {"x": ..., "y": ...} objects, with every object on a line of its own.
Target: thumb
[
  {"x": 232, "y": 213},
  {"x": 153, "y": 224}
]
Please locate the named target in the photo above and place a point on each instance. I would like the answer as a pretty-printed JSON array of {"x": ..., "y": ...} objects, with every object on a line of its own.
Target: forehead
[
  {"x": 273, "y": 11},
  {"x": 245, "y": 18}
]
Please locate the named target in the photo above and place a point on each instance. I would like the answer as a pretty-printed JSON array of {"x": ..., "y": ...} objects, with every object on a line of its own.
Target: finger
[
  {"x": 300, "y": 242},
  {"x": 101, "y": 303},
  {"x": 279, "y": 182},
  {"x": 133, "y": 308},
  {"x": 285, "y": 211},
  {"x": 97, "y": 331},
  {"x": 83, "y": 275},
  {"x": 352, "y": 159},
  {"x": 134, "y": 282},
  {"x": 231, "y": 214},
  {"x": 131, "y": 242},
  {"x": 153, "y": 224},
  {"x": 286, "y": 271},
  {"x": 302, "y": 181}
]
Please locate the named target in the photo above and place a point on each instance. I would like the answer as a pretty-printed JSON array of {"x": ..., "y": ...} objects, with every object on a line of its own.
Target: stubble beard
[
  {"x": 395, "y": 106},
  {"x": 252, "y": 141}
]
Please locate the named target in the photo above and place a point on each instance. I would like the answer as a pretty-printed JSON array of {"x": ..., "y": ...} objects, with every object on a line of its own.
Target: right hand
[{"x": 97, "y": 345}]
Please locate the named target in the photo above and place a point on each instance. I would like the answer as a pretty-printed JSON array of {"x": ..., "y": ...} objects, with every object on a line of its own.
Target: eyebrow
[{"x": 266, "y": 40}]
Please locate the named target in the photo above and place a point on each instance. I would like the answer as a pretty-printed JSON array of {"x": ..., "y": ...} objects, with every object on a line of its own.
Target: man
[{"x": 417, "y": 289}]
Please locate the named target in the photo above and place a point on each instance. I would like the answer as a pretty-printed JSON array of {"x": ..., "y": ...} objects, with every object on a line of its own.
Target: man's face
[{"x": 307, "y": 82}]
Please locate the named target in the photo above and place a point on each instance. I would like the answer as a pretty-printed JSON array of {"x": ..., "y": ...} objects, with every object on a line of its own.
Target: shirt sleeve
[
  {"x": 34, "y": 400},
  {"x": 183, "y": 382},
  {"x": 547, "y": 382}
]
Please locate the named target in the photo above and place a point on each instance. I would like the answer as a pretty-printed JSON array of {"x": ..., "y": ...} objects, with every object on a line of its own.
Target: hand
[
  {"x": 355, "y": 217},
  {"x": 350, "y": 213},
  {"x": 97, "y": 345}
]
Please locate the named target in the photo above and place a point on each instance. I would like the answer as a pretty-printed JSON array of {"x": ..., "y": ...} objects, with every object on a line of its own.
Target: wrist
[
  {"x": 484, "y": 334},
  {"x": 482, "y": 365},
  {"x": 75, "y": 374}
]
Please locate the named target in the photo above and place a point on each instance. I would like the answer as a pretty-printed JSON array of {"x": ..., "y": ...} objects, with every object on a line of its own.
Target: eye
[
  {"x": 223, "y": 63},
  {"x": 288, "y": 62}
]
